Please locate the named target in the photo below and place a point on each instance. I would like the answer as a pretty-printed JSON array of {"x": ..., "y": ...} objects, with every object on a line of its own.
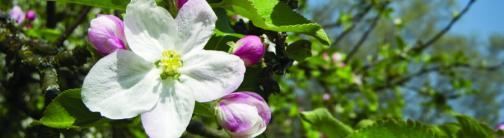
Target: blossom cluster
[
  {"x": 18, "y": 15},
  {"x": 155, "y": 66}
]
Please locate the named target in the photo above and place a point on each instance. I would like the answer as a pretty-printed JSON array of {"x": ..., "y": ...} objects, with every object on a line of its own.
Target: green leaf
[
  {"x": 204, "y": 109},
  {"x": 223, "y": 33},
  {"x": 299, "y": 50},
  {"x": 322, "y": 120},
  {"x": 400, "y": 42},
  {"x": 470, "y": 128},
  {"x": 275, "y": 16},
  {"x": 67, "y": 110},
  {"x": 449, "y": 129},
  {"x": 46, "y": 34},
  {"x": 112, "y": 4},
  {"x": 391, "y": 128}
]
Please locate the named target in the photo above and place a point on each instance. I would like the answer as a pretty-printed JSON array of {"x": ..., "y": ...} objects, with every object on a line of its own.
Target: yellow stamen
[{"x": 169, "y": 63}]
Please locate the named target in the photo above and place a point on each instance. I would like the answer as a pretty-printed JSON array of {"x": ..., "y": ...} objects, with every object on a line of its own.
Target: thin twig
[
  {"x": 358, "y": 17},
  {"x": 423, "y": 71},
  {"x": 71, "y": 28},
  {"x": 419, "y": 47},
  {"x": 364, "y": 37},
  {"x": 440, "y": 34}
]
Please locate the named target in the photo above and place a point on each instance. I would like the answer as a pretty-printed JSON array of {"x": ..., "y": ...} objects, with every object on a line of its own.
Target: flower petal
[
  {"x": 241, "y": 120},
  {"x": 196, "y": 21},
  {"x": 171, "y": 116},
  {"x": 121, "y": 85},
  {"x": 149, "y": 29},
  {"x": 211, "y": 74},
  {"x": 250, "y": 98}
]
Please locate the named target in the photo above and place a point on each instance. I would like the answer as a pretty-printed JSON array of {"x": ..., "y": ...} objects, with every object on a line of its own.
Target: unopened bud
[
  {"x": 17, "y": 14},
  {"x": 243, "y": 114},
  {"x": 107, "y": 34},
  {"x": 250, "y": 49}
]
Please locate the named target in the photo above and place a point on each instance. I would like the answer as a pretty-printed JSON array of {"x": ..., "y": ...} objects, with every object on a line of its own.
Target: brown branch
[
  {"x": 419, "y": 47},
  {"x": 423, "y": 71},
  {"x": 30, "y": 53},
  {"x": 51, "y": 14},
  {"x": 365, "y": 35},
  {"x": 447, "y": 28},
  {"x": 356, "y": 20}
]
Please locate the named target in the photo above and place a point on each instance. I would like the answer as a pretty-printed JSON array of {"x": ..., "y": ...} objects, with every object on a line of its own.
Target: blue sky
[{"x": 484, "y": 18}]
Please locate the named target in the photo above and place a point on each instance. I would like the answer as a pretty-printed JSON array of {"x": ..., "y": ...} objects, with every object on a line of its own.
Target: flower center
[{"x": 169, "y": 64}]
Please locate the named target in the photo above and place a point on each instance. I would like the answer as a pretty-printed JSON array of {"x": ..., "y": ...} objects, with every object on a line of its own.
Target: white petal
[
  {"x": 149, "y": 29},
  {"x": 170, "y": 117},
  {"x": 211, "y": 74},
  {"x": 121, "y": 85},
  {"x": 196, "y": 21}
]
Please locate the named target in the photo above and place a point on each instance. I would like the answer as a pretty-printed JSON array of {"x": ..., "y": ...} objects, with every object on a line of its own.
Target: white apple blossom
[{"x": 167, "y": 70}]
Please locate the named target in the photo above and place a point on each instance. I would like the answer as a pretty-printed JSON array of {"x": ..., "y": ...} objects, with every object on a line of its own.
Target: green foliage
[
  {"x": 46, "y": 34},
  {"x": 299, "y": 50},
  {"x": 67, "y": 110},
  {"x": 275, "y": 16},
  {"x": 392, "y": 128},
  {"x": 204, "y": 109},
  {"x": 322, "y": 120},
  {"x": 470, "y": 128},
  {"x": 223, "y": 33}
]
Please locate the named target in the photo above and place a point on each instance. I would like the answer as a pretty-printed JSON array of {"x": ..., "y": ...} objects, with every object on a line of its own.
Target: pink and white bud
[
  {"x": 337, "y": 58},
  {"x": 31, "y": 15},
  {"x": 326, "y": 97},
  {"x": 250, "y": 49},
  {"x": 181, "y": 3},
  {"x": 17, "y": 14},
  {"x": 107, "y": 34},
  {"x": 243, "y": 114},
  {"x": 500, "y": 126}
]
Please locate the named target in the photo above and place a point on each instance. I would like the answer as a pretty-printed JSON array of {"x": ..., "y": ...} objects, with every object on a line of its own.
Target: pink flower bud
[
  {"x": 31, "y": 15},
  {"x": 500, "y": 126},
  {"x": 250, "y": 49},
  {"x": 17, "y": 14},
  {"x": 181, "y": 3},
  {"x": 107, "y": 34},
  {"x": 326, "y": 96},
  {"x": 243, "y": 114},
  {"x": 336, "y": 58}
]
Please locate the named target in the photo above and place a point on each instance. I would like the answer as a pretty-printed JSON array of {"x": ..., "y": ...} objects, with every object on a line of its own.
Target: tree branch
[
  {"x": 51, "y": 14},
  {"x": 358, "y": 17},
  {"x": 366, "y": 34},
  {"x": 440, "y": 34},
  {"x": 419, "y": 47},
  {"x": 15, "y": 44},
  {"x": 70, "y": 29},
  {"x": 423, "y": 71}
]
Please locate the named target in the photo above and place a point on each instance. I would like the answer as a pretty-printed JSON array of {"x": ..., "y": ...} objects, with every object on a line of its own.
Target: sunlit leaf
[
  {"x": 322, "y": 120},
  {"x": 67, "y": 110},
  {"x": 276, "y": 16}
]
